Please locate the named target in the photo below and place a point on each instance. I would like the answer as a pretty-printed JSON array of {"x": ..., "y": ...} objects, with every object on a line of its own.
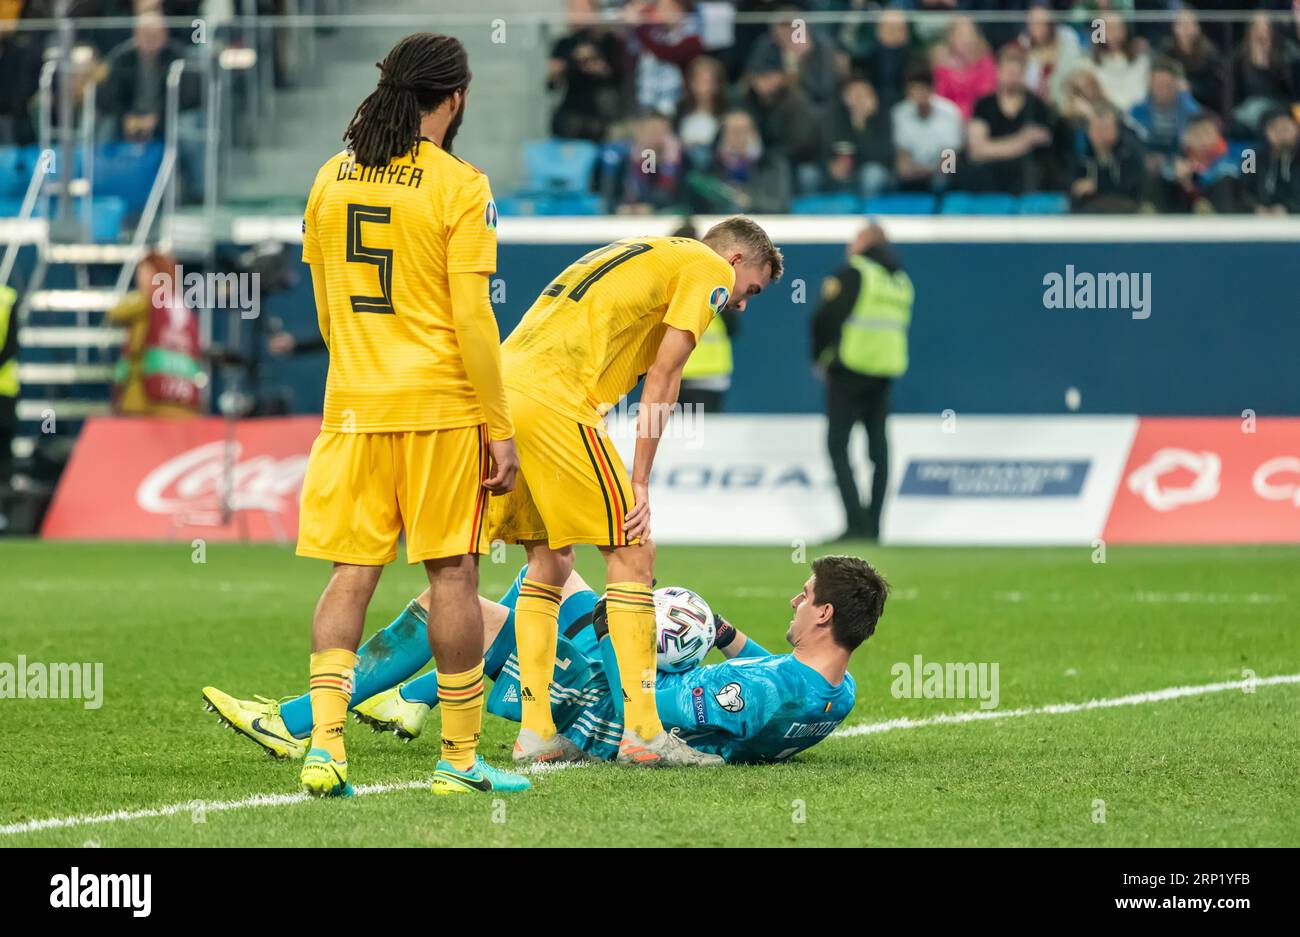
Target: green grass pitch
[{"x": 1219, "y": 769}]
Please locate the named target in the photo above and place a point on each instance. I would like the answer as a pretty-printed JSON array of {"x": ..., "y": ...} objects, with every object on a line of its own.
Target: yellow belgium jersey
[
  {"x": 596, "y": 329},
  {"x": 385, "y": 239}
]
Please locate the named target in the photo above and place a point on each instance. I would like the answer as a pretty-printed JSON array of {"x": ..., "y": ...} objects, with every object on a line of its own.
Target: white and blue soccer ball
[{"x": 684, "y": 629}]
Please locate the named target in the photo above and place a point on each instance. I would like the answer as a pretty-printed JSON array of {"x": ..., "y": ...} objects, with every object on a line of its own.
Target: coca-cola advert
[{"x": 146, "y": 479}]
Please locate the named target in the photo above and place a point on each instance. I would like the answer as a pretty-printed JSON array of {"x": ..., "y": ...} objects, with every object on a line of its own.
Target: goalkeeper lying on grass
[{"x": 754, "y": 707}]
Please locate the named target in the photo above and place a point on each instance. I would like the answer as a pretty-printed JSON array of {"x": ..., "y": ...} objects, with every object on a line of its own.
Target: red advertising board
[
  {"x": 147, "y": 479},
  {"x": 1184, "y": 481},
  {"x": 1209, "y": 481}
]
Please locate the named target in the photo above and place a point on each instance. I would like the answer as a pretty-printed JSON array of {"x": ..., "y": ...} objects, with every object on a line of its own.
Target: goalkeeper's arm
[{"x": 733, "y": 642}]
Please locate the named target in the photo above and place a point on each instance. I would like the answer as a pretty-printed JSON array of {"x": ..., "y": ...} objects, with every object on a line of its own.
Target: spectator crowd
[
  {"x": 124, "y": 48},
  {"x": 1191, "y": 113}
]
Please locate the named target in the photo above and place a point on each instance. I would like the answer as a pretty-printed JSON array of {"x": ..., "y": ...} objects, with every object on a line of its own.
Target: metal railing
[
  {"x": 34, "y": 184},
  {"x": 163, "y": 190}
]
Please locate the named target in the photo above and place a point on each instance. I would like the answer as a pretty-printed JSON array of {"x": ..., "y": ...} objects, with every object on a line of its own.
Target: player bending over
[
  {"x": 755, "y": 707},
  {"x": 632, "y": 308}
]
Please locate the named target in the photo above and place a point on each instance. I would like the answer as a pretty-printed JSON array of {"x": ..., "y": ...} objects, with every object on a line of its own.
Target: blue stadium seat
[
  {"x": 581, "y": 203},
  {"x": 839, "y": 203},
  {"x": 34, "y": 156},
  {"x": 107, "y": 214},
  {"x": 1237, "y": 149},
  {"x": 1045, "y": 203},
  {"x": 511, "y": 206},
  {"x": 612, "y": 157},
  {"x": 127, "y": 171},
  {"x": 14, "y": 171},
  {"x": 980, "y": 203},
  {"x": 17, "y": 163},
  {"x": 559, "y": 166},
  {"x": 901, "y": 203}
]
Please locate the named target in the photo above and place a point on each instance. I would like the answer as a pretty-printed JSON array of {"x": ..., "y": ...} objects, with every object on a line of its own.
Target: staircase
[
  {"x": 506, "y": 102},
  {"x": 68, "y": 347}
]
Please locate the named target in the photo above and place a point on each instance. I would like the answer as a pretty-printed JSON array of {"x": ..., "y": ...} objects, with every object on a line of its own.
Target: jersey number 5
[{"x": 378, "y": 257}]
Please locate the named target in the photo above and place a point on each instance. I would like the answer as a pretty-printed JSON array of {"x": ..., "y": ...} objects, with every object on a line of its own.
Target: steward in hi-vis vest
[
  {"x": 860, "y": 346},
  {"x": 707, "y": 375},
  {"x": 8, "y": 381}
]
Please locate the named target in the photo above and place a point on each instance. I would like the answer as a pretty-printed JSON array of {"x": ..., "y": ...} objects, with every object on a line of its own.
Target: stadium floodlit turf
[{"x": 1213, "y": 768}]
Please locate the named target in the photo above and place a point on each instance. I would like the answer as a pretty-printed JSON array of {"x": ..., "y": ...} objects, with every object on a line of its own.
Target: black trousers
[
  {"x": 8, "y": 425},
  {"x": 850, "y": 399},
  {"x": 709, "y": 401}
]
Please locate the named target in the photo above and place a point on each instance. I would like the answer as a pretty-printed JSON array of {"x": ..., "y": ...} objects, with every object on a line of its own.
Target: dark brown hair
[{"x": 855, "y": 592}]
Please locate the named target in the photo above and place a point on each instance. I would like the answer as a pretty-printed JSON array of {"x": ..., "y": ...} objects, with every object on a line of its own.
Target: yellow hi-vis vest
[
  {"x": 874, "y": 338},
  {"x": 712, "y": 356},
  {"x": 9, "y": 370}
]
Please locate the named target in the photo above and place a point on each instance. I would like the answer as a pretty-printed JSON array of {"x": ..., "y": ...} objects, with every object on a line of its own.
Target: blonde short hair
[{"x": 743, "y": 233}]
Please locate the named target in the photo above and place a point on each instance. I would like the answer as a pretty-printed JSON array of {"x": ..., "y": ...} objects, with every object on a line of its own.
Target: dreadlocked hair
[{"x": 416, "y": 77}]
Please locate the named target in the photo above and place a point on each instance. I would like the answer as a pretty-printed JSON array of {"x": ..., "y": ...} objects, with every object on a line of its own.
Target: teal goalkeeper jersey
[{"x": 756, "y": 707}]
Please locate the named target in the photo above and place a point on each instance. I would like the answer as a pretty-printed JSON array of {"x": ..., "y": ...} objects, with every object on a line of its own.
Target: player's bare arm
[
  {"x": 321, "y": 293},
  {"x": 662, "y": 384},
  {"x": 479, "y": 339}
]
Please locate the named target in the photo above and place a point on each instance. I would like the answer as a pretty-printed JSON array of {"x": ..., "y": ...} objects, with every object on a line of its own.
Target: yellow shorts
[
  {"x": 361, "y": 488},
  {"x": 572, "y": 486}
]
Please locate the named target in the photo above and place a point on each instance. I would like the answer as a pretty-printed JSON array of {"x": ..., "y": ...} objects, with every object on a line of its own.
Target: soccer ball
[{"x": 684, "y": 629}]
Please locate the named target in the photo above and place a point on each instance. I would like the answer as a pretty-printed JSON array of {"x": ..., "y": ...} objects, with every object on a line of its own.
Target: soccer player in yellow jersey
[
  {"x": 401, "y": 239},
  {"x": 632, "y": 308}
]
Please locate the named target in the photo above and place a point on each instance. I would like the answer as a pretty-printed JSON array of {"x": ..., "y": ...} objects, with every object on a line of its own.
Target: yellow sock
[
  {"x": 460, "y": 695},
  {"x": 536, "y": 627},
  {"x": 632, "y": 629},
  {"x": 331, "y": 692}
]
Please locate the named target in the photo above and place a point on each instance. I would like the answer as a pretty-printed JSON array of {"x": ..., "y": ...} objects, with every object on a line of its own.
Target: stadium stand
[{"x": 592, "y": 107}]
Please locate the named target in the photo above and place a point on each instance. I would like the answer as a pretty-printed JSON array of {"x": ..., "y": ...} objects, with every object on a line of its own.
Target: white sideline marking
[
  {"x": 1057, "y": 709},
  {"x": 870, "y": 728},
  {"x": 213, "y": 806}
]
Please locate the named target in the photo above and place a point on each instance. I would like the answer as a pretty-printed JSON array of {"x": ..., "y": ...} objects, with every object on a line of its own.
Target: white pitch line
[
  {"x": 870, "y": 728},
  {"x": 1057, "y": 709},
  {"x": 207, "y": 806},
  {"x": 256, "y": 800}
]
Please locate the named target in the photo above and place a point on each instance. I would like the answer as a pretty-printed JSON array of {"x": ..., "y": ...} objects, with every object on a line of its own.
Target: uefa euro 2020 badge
[
  {"x": 718, "y": 299},
  {"x": 490, "y": 215}
]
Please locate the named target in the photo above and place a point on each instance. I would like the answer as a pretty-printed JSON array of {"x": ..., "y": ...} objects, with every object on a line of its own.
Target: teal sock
[
  {"x": 423, "y": 689},
  {"x": 402, "y": 648},
  {"x": 578, "y": 606},
  {"x": 388, "y": 658}
]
